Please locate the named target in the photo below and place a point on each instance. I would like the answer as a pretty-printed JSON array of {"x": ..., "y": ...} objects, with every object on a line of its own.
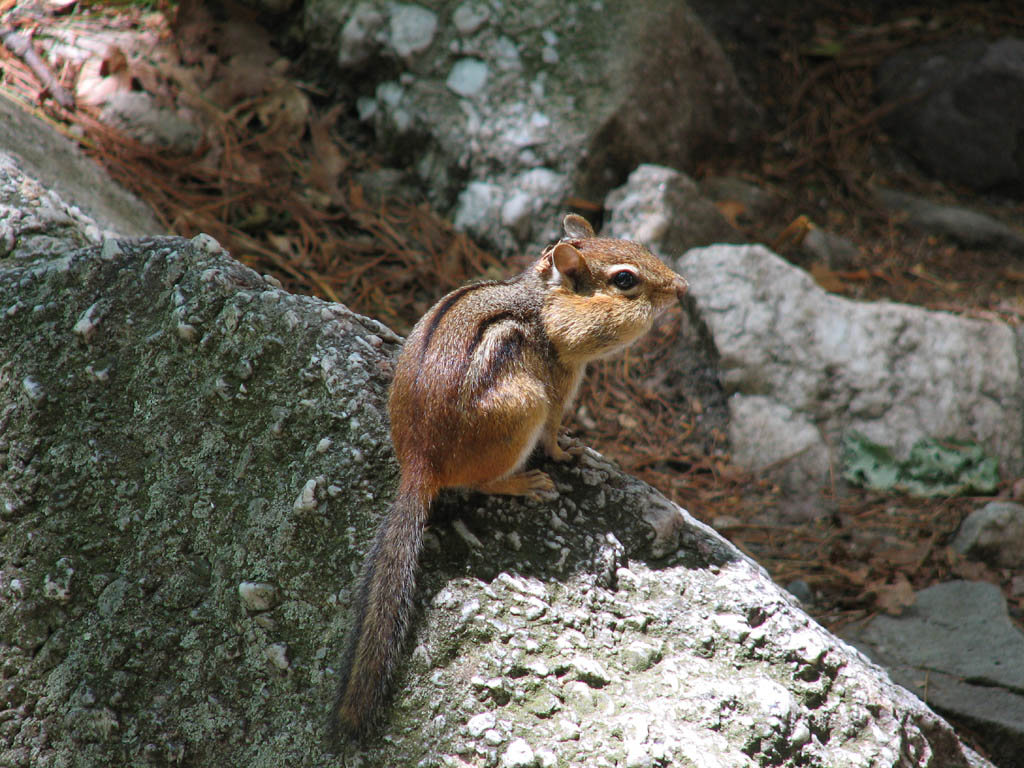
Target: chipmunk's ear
[
  {"x": 576, "y": 227},
  {"x": 570, "y": 263}
]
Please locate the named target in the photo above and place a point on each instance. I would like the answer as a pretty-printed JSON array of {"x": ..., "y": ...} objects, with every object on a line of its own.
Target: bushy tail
[{"x": 381, "y": 615}]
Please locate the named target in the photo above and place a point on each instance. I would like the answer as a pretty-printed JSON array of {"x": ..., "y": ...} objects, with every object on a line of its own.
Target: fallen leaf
[
  {"x": 861, "y": 275},
  {"x": 113, "y": 61},
  {"x": 731, "y": 210},
  {"x": 827, "y": 278},
  {"x": 95, "y": 89},
  {"x": 330, "y": 160},
  {"x": 793, "y": 234},
  {"x": 285, "y": 113},
  {"x": 972, "y": 570},
  {"x": 627, "y": 422},
  {"x": 893, "y": 598},
  {"x": 858, "y": 575}
]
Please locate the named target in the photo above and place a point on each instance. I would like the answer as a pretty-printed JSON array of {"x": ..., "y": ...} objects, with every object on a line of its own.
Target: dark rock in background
[
  {"x": 964, "y": 116},
  {"x": 957, "y": 649}
]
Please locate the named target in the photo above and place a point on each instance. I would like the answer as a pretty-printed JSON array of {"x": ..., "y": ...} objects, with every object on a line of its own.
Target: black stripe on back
[
  {"x": 481, "y": 329},
  {"x": 443, "y": 308},
  {"x": 508, "y": 350}
]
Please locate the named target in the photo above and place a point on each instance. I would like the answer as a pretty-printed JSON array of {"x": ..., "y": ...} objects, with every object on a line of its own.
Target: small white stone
[
  {"x": 732, "y": 626},
  {"x": 807, "y": 646},
  {"x": 366, "y": 107},
  {"x": 637, "y": 756},
  {"x": 390, "y": 93},
  {"x": 546, "y": 758},
  {"x": 479, "y": 204},
  {"x": 801, "y": 734},
  {"x": 468, "y": 77},
  {"x": 306, "y": 501},
  {"x": 567, "y": 730},
  {"x": 638, "y": 656},
  {"x": 324, "y": 445},
  {"x": 469, "y": 609},
  {"x": 110, "y": 249},
  {"x": 534, "y": 609},
  {"x": 277, "y": 653},
  {"x": 358, "y": 36},
  {"x": 257, "y": 596},
  {"x": 101, "y": 375},
  {"x": 466, "y": 535},
  {"x": 187, "y": 332},
  {"x": 205, "y": 243},
  {"x": 589, "y": 671},
  {"x": 518, "y": 755},
  {"x": 493, "y": 737},
  {"x": 478, "y": 724},
  {"x": 31, "y": 387},
  {"x": 538, "y": 667},
  {"x": 469, "y": 17},
  {"x": 506, "y": 55},
  {"x": 412, "y": 29},
  {"x": 518, "y": 211}
]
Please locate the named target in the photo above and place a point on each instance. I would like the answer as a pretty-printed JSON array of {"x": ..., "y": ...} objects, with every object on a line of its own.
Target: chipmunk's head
[{"x": 602, "y": 293}]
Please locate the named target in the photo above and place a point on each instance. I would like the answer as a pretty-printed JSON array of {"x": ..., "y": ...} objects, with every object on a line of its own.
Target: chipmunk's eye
[{"x": 625, "y": 279}]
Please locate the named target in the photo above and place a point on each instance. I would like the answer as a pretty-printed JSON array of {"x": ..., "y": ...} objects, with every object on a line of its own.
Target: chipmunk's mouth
[
  {"x": 681, "y": 286},
  {"x": 674, "y": 293}
]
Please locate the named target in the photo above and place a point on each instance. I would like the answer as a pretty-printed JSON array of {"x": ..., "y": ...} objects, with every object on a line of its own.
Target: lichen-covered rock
[
  {"x": 894, "y": 372},
  {"x": 508, "y": 108},
  {"x": 192, "y": 464}
]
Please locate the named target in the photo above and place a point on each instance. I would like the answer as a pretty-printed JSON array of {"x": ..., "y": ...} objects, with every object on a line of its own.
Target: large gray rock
[
  {"x": 961, "y": 225},
  {"x": 961, "y": 110},
  {"x": 193, "y": 463},
  {"x": 958, "y": 650},
  {"x": 803, "y": 366},
  {"x": 666, "y": 210},
  {"x": 508, "y": 108},
  {"x": 53, "y": 160},
  {"x": 994, "y": 534}
]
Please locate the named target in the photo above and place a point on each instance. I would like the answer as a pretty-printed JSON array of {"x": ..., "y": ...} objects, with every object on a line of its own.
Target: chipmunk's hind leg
[
  {"x": 507, "y": 423},
  {"x": 533, "y": 484}
]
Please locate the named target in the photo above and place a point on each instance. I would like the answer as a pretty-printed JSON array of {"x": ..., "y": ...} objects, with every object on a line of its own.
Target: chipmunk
[{"x": 484, "y": 376}]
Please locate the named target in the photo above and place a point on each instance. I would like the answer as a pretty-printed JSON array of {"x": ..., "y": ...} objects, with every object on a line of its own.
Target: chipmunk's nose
[{"x": 681, "y": 286}]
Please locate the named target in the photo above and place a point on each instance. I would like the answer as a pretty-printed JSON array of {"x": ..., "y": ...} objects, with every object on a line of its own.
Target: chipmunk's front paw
[
  {"x": 566, "y": 448},
  {"x": 538, "y": 485},
  {"x": 534, "y": 484}
]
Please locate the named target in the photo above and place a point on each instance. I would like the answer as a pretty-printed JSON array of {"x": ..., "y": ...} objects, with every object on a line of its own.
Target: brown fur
[{"x": 485, "y": 376}]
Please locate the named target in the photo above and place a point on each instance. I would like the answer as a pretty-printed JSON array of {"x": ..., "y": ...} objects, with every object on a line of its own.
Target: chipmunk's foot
[
  {"x": 534, "y": 485},
  {"x": 566, "y": 448}
]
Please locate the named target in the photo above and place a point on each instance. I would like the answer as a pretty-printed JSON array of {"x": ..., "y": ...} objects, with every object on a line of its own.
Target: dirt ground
[{"x": 277, "y": 178}]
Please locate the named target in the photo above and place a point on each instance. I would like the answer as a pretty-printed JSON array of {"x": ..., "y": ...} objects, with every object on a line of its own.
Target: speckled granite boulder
[
  {"x": 504, "y": 110},
  {"x": 192, "y": 464}
]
